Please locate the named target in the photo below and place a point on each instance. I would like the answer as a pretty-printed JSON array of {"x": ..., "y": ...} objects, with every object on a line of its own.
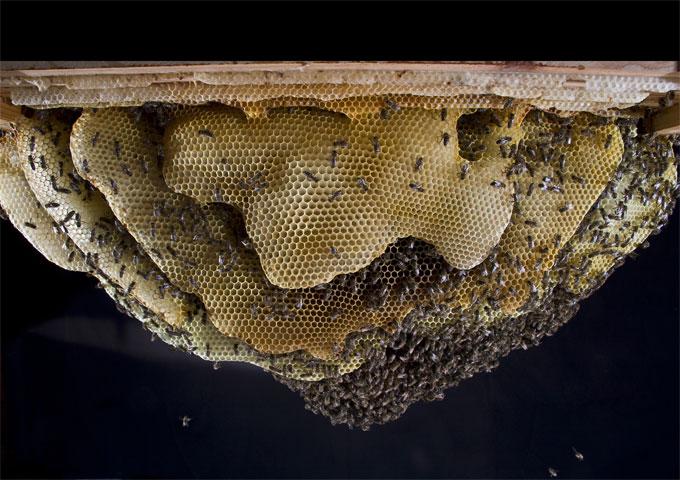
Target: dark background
[{"x": 86, "y": 394}]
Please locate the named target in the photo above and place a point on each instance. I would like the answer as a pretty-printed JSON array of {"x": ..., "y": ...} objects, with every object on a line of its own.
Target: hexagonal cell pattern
[
  {"x": 322, "y": 195},
  {"x": 577, "y": 210},
  {"x": 82, "y": 213},
  {"x": 202, "y": 251},
  {"x": 559, "y": 171},
  {"x": 29, "y": 216}
]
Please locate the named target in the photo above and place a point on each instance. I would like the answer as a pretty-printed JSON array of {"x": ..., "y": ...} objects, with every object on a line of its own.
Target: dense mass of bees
[
  {"x": 417, "y": 363},
  {"x": 369, "y": 261}
]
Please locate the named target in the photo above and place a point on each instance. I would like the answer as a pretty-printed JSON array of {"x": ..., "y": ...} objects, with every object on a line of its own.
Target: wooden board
[
  {"x": 37, "y": 69},
  {"x": 667, "y": 121},
  {"x": 14, "y": 73}
]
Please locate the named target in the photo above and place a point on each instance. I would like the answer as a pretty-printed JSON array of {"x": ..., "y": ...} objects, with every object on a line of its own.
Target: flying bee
[
  {"x": 608, "y": 142},
  {"x": 419, "y": 164},
  {"x": 114, "y": 185},
  {"x": 552, "y": 472},
  {"x": 443, "y": 114},
  {"x": 497, "y": 184},
  {"x": 31, "y": 162},
  {"x": 530, "y": 242},
  {"x": 30, "y": 225},
  {"x": 362, "y": 184},
  {"x": 566, "y": 207},
  {"x": 341, "y": 143},
  {"x": 416, "y": 187},
  {"x": 446, "y": 138},
  {"x": 206, "y": 133},
  {"x": 503, "y": 140},
  {"x": 333, "y": 251},
  {"x": 185, "y": 421},
  {"x": 578, "y": 455},
  {"x": 94, "y": 139},
  {"x": 116, "y": 148},
  {"x": 334, "y": 158}
]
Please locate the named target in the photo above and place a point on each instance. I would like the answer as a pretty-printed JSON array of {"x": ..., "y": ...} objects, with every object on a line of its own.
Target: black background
[{"x": 86, "y": 394}]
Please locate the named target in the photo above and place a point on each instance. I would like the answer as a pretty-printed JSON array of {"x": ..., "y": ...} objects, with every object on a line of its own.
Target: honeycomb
[
  {"x": 467, "y": 227},
  {"x": 207, "y": 257},
  {"x": 439, "y": 347},
  {"x": 108, "y": 252},
  {"x": 635, "y": 205},
  {"x": 354, "y": 186},
  {"x": 560, "y": 169},
  {"x": 28, "y": 215}
]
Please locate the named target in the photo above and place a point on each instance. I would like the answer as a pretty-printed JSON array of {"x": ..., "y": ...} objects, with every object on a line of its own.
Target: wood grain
[
  {"x": 667, "y": 121},
  {"x": 664, "y": 69}
]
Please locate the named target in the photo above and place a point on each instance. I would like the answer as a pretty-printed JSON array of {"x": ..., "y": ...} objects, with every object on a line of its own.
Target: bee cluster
[
  {"x": 368, "y": 262},
  {"x": 417, "y": 364}
]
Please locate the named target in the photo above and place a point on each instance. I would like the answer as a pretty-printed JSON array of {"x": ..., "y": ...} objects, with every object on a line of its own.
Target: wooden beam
[
  {"x": 667, "y": 121},
  {"x": 55, "y": 69}
]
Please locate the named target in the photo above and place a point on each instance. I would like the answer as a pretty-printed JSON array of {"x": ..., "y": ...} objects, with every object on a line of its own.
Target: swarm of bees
[{"x": 361, "y": 333}]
